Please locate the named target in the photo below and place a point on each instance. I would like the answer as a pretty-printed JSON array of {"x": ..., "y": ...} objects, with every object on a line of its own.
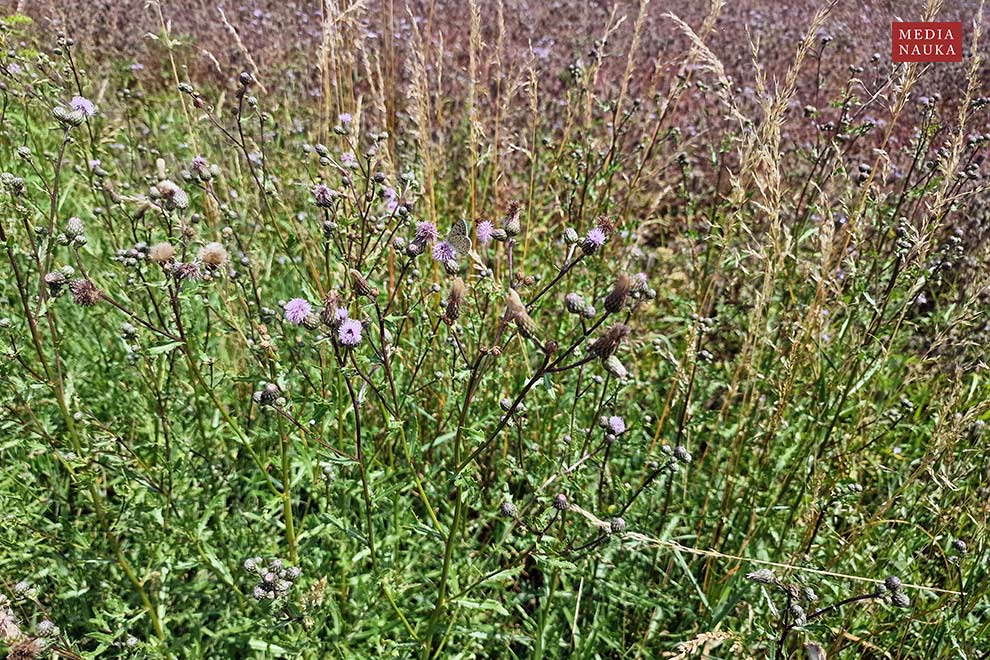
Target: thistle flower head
[
  {"x": 516, "y": 312},
  {"x": 484, "y": 231},
  {"x": 361, "y": 285},
  {"x": 593, "y": 241},
  {"x": 426, "y": 232},
  {"x": 83, "y": 105},
  {"x": 349, "y": 332},
  {"x": 616, "y": 425},
  {"x": 444, "y": 252},
  {"x": 508, "y": 509},
  {"x": 297, "y": 310},
  {"x": 560, "y": 502}
]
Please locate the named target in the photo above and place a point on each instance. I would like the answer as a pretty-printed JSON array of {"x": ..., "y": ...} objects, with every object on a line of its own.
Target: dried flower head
[
  {"x": 511, "y": 224},
  {"x": 516, "y": 312},
  {"x": 323, "y": 195},
  {"x": 169, "y": 195},
  {"x": 213, "y": 255},
  {"x": 608, "y": 343},
  {"x": 616, "y": 299},
  {"x": 361, "y": 285},
  {"x": 161, "y": 253},
  {"x": 454, "y": 300},
  {"x": 85, "y": 292}
]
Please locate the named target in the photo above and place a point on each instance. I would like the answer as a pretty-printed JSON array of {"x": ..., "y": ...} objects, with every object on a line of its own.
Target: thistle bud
[
  {"x": 574, "y": 303},
  {"x": 560, "y": 502},
  {"x": 361, "y": 286},
  {"x": 508, "y": 509},
  {"x": 616, "y": 299}
]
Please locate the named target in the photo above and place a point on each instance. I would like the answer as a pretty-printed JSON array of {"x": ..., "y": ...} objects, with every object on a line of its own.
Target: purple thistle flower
[
  {"x": 596, "y": 237},
  {"x": 484, "y": 231},
  {"x": 340, "y": 314},
  {"x": 349, "y": 160},
  {"x": 616, "y": 425},
  {"x": 296, "y": 311},
  {"x": 391, "y": 200},
  {"x": 345, "y": 118},
  {"x": 83, "y": 105},
  {"x": 349, "y": 332},
  {"x": 443, "y": 252},
  {"x": 426, "y": 232}
]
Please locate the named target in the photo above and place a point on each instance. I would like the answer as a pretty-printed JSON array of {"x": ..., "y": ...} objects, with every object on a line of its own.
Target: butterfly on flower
[{"x": 451, "y": 248}]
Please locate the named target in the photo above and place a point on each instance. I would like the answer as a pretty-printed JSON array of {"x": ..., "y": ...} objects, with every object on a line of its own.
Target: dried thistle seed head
[
  {"x": 516, "y": 312},
  {"x": 763, "y": 576},
  {"x": 511, "y": 224},
  {"x": 212, "y": 255},
  {"x": 360, "y": 285},
  {"x": 560, "y": 502},
  {"x": 85, "y": 292},
  {"x": 508, "y": 509},
  {"x": 161, "y": 253},
  {"x": 454, "y": 300},
  {"x": 616, "y": 299},
  {"x": 606, "y": 345},
  {"x": 606, "y": 224}
]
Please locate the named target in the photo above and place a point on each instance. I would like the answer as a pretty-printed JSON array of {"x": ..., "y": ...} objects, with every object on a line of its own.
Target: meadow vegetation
[{"x": 491, "y": 329}]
